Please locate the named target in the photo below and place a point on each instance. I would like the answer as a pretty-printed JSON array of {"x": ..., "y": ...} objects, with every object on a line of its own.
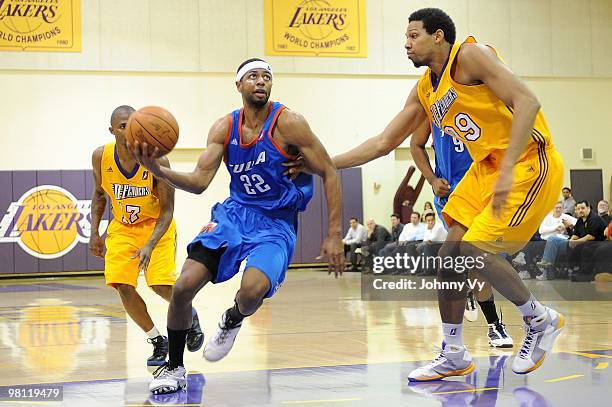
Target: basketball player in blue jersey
[
  {"x": 258, "y": 222},
  {"x": 452, "y": 162}
]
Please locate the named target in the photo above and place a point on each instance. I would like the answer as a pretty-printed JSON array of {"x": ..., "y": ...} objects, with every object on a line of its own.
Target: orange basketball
[{"x": 154, "y": 125}]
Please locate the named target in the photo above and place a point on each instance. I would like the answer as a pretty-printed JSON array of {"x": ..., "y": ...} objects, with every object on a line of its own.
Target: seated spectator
[
  {"x": 589, "y": 228},
  {"x": 396, "y": 227},
  {"x": 413, "y": 231},
  {"x": 555, "y": 231},
  {"x": 435, "y": 235},
  {"x": 427, "y": 208},
  {"x": 355, "y": 237},
  {"x": 396, "y": 231},
  {"x": 569, "y": 203},
  {"x": 603, "y": 258},
  {"x": 378, "y": 237},
  {"x": 603, "y": 209}
]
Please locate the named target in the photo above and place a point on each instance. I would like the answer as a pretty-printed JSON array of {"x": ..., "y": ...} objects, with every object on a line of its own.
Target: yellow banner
[
  {"x": 329, "y": 28},
  {"x": 40, "y": 25}
]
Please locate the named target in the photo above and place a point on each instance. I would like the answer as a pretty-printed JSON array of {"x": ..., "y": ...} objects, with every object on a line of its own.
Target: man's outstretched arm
[{"x": 208, "y": 163}]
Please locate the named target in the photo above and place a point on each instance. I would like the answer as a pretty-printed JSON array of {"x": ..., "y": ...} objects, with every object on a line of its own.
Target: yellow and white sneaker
[
  {"x": 453, "y": 361},
  {"x": 542, "y": 331}
]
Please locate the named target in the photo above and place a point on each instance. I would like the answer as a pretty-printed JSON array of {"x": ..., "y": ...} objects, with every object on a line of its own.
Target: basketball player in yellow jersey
[
  {"x": 514, "y": 181},
  {"x": 142, "y": 235}
]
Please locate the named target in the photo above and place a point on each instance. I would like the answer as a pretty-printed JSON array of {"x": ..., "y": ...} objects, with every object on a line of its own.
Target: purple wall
[
  {"x": 313, "y": 221},
  {"x": 13, "y": 184}
]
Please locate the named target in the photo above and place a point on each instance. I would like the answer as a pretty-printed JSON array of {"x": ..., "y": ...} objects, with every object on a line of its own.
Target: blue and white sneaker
[{"x": 498, "y": 337}]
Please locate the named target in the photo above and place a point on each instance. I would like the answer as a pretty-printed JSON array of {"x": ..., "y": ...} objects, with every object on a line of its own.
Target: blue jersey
[
  {"x": 452, "y": 160},
  {"x": 257, "y": 179}
]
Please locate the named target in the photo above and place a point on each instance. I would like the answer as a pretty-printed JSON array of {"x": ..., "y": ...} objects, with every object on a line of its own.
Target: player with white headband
[
  {"x": 258, "y": 222},
  {"x": 252, "y": 65}
]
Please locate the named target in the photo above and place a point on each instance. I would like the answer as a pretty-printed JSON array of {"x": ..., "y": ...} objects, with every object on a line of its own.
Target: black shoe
[
  {"x": 160, "y": 351},
  {"x": 195, "y": 336}
]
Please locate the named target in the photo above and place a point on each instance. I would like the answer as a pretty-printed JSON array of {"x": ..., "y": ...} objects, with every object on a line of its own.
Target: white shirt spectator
[
  {"x": 357, "y": 235},
  {"x": 553, "y": 226},
  {"x": 437, "y": 234},
  {"x": 411, "y": 233}
]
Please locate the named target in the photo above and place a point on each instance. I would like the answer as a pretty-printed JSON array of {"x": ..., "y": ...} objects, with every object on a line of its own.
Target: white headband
[{"x": 253, "y": 65}]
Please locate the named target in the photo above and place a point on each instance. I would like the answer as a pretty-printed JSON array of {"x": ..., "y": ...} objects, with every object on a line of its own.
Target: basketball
[{"x": 154, "y": 125}]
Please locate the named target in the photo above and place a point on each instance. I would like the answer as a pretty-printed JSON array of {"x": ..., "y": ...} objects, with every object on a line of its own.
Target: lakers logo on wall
[
  {"x": 47, "y": 222},
  {"x": 315, "y": 27},
  {"x": 37, "y": 25}
]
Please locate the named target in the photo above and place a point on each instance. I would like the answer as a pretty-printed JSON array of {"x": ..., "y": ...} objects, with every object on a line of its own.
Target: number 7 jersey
[
  {"x": 473, "y": 113},
  {"x": 131, "y": 193}
]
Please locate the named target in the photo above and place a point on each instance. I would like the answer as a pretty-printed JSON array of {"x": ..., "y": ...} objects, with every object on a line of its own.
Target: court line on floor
[
  {"x": 560, "y": 379},
  {"x": 322, "y": 366},
  {"x": 466, "y": 391},
  {"x": 589, "y": 355},
  {"x": 321, "y": 401}
]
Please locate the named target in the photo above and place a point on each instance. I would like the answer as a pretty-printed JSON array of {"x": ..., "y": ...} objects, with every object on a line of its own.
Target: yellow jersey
[
  {"x": 131, "y": 194},
  {"x": 473, "y": 114}
]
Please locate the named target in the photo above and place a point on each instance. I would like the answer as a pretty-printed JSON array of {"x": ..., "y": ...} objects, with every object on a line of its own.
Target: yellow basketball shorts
[
  {"x": 122, "y": 241},
  {"x": 536, "y": 186}
]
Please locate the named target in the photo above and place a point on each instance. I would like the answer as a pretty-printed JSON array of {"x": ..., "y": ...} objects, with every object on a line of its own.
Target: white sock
[
  {"x": 453, "y": 334},
  {"x": 153, "y": 333},
  {"x": 532, "y": 308}
]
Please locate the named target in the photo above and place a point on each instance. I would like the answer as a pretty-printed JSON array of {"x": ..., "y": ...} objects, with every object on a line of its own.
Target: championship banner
[
  {"x": 40, "y": 25},
  {"x": 45, "y": 221},
  {"x": 328, "y": 28}
]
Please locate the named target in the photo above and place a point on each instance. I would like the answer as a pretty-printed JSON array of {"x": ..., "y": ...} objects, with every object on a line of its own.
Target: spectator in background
[
  {"x": 603, "y": 209},
  {"x": 603, "y": 258},
  {"x": 355, "y": 237},
  {"x": 569, "y": 203},
  {"x": 378, "y": 237},
  {"x": 589, "y": 227},
  {"x": 413, "y": 231},
  {"x": 435, "y": 235},
  {"x": 396, "y": 227},
  {"x": 396, "y": 231},
  {"x": 427, "y": 208},
  {"x": 555, "y": 231}
]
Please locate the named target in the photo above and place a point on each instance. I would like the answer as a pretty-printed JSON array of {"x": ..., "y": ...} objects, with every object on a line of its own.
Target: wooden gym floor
[{"x": 316, "y": 343}]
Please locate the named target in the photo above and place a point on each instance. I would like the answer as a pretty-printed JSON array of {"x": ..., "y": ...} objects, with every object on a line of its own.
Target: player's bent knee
[
  {"x": 468, "y": 249},
  {"x": 125, "y": 290},
  {"x": 161, "y": 289},
  {"x": 183, "y": 292},
  {"x": 449, "y": 249}
]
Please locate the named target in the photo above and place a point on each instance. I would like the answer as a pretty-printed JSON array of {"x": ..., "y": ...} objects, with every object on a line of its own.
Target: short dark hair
[
  {"x": 121, "y": 109},
  {"x": 355, "y": 219},
  {"x": 416, "y": 213},
  {"x": 428, "y": 214},
  {"x": 566, "y": 188},
  {"x": 585, "y": 202},
  {"x": 395, "y": 215},
  {"x": 435, "y": 19}
]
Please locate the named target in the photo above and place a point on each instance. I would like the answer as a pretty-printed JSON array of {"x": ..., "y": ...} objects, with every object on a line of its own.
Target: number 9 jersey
[
  {"x": 131, "y": 193},
  {"x": 473, "y": 113}
]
